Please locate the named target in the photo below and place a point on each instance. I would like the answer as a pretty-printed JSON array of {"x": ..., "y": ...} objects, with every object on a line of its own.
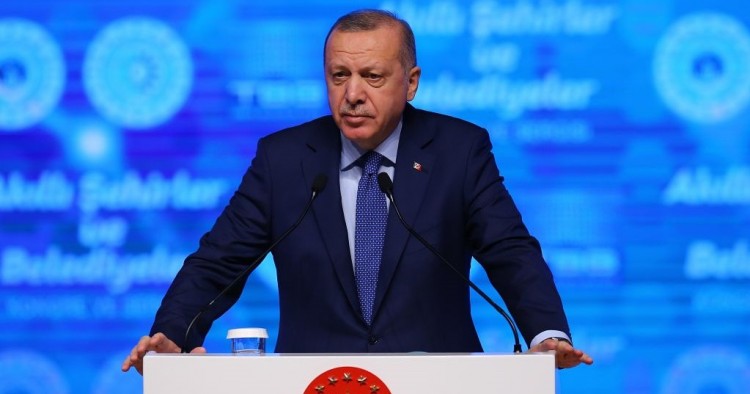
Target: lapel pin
[{"x": 417, "y": 167}]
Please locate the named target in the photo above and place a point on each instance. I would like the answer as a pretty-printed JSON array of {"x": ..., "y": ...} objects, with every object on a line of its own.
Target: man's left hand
[{"x": 566, "y": 356}]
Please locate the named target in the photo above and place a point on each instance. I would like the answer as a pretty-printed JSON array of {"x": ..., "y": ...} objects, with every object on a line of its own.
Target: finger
[
  {"x": 134, "y": 359},
  {"x": 198, "y": 350},
  {"x": 143, "y": 344},
  {"x": 130, "y": 357},
  {"x": 576, "y": 354},
  {"x": 126, "y": 364},
  {"x": 564, "y": 346},
  {"x": 586, "y": 359},
  {"x": 162, "y": 344},
  {"x": 157, "y": 340},
  {"x": 570, "y": 357},
  {"x": 567, "y": 363},
  {"x": 138, "y": 350},
  {"x": 563, "y": 356}
]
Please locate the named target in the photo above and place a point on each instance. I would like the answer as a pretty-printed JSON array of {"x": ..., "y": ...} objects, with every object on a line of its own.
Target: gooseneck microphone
[
  {"x": 319, "y": 183},
  {"x": 386, "y": 186}
]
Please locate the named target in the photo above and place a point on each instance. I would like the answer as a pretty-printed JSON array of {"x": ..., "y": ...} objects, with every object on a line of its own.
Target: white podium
[{"x": 410, "y": 373}]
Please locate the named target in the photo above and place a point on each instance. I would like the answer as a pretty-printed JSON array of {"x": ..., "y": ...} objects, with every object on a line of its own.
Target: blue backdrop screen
[{"x": 622, "y": 127}]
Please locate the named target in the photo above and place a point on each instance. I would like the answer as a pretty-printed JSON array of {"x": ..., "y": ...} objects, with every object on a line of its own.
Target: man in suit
[{"x": 351, "y": 278}]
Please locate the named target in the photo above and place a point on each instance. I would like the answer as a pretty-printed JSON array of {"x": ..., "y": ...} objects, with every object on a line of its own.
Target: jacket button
[{"x": 373, "y": 340}]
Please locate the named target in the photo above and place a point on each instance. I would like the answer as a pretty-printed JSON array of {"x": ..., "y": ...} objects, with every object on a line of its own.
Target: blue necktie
[{"x": 369, "y": 232}]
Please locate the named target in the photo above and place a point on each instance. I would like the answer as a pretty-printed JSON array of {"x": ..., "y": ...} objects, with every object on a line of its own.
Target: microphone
[
  {"x": 319, "y": 183},
  {"x": 386, "y": 186}
]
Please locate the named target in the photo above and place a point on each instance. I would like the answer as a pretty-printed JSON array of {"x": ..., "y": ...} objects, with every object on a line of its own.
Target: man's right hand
[{"x": 158, "y": 343}]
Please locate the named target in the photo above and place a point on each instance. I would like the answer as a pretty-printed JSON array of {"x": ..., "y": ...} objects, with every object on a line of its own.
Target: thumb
[{"x": 198, "y": 350}]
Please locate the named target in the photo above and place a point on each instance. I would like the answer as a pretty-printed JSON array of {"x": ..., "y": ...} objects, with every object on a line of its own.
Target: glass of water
[{"x": 248, "y": 341}]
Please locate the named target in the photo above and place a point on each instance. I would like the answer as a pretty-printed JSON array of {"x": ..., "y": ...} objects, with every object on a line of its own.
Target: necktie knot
[{"x": 371, "y": 162}]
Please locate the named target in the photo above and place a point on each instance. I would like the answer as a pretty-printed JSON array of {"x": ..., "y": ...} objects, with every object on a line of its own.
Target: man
[{"x": 382, "y": 291}]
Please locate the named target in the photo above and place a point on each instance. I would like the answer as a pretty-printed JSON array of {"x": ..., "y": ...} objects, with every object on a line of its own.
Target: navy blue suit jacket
[{"x": 457, "y": 202}]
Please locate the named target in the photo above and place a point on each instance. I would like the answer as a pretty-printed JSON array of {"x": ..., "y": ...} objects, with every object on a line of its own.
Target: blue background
[{"x": 622, "y": 127}]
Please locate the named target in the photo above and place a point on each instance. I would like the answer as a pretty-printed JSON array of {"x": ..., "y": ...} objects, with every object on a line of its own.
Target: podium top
[{"x": 223, "y": 373}]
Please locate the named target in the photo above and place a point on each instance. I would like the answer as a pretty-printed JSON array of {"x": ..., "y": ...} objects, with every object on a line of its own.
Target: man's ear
[{"x": 413, "y": 81}]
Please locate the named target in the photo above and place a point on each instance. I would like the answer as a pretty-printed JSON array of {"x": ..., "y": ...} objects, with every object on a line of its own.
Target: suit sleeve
[
  {"x": 504, "y": 247},
  {"x": 237, "y": 238}
]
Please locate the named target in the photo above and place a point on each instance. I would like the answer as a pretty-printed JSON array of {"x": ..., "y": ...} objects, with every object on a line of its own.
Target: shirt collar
[{"x": 350, "y": 152}]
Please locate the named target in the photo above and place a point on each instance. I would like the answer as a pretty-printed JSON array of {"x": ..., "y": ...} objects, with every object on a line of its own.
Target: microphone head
[
  {"x": 319, "y": 183},
  {"x": 385, "y": 183}
]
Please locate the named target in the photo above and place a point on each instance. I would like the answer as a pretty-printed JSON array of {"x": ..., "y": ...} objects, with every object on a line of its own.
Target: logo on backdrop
[
  {"x": 708, "y": 370},
  {"x": 347, "y": 380},
  {"x": 138, "y": 72},
  {"x": 702, "y": 67},
  {"x": 32, "y": 74},
  {"x": 24, "y": 371},
  {"x": 707, "y": 260},
  {"x": 701, "y": 186}
]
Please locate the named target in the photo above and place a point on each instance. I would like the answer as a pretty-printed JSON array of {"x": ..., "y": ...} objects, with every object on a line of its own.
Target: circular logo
[
  {"x": 137, "y": 72},
  {"x": 351, "y": 380},
  {"x": 708, "y": 370},
  {"x": 32, "y": 73},
  {"x": 702, "y": 67},
  {"x": 22, "y": 371}
]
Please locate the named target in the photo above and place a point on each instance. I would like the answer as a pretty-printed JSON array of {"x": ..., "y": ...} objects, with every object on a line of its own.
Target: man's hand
[
  {"x": 158, "y": 343},
  {"x": 566, "y": 356}
]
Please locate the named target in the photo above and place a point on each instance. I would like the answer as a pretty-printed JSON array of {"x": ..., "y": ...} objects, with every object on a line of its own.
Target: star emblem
[{"x": 347, "y": 380}]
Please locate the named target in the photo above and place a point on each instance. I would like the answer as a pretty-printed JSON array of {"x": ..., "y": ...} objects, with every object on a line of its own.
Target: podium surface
[{"x": 334, "y": 373}]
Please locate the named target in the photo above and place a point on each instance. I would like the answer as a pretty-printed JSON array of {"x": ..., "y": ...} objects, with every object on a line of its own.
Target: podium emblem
[{"x": 347, "y": 380}]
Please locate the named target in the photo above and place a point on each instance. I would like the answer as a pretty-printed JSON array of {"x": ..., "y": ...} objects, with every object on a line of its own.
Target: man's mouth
[
  {"x": 355, "y": 121},
  {"x": 355, "y": 118}
]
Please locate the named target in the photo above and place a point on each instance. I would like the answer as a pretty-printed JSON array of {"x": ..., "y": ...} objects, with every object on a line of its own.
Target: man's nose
[{"x": 355, "y": 91}]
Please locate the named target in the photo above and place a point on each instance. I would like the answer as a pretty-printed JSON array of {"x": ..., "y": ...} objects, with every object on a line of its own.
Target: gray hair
[{"x": 371, "y": 19}]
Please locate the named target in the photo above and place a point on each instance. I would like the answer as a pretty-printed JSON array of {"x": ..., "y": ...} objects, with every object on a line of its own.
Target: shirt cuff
[{"x": 547, "y": 335}]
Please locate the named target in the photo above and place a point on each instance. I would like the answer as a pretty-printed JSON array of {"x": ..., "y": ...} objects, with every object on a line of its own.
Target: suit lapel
[
  {"x": 410, "y": 185},
  {"x": 324, "y": 157},
  {"x": 412, "y": 174}
]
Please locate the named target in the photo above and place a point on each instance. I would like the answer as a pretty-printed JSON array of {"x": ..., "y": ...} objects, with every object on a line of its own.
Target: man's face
[{"x": 367, "y": 85}]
